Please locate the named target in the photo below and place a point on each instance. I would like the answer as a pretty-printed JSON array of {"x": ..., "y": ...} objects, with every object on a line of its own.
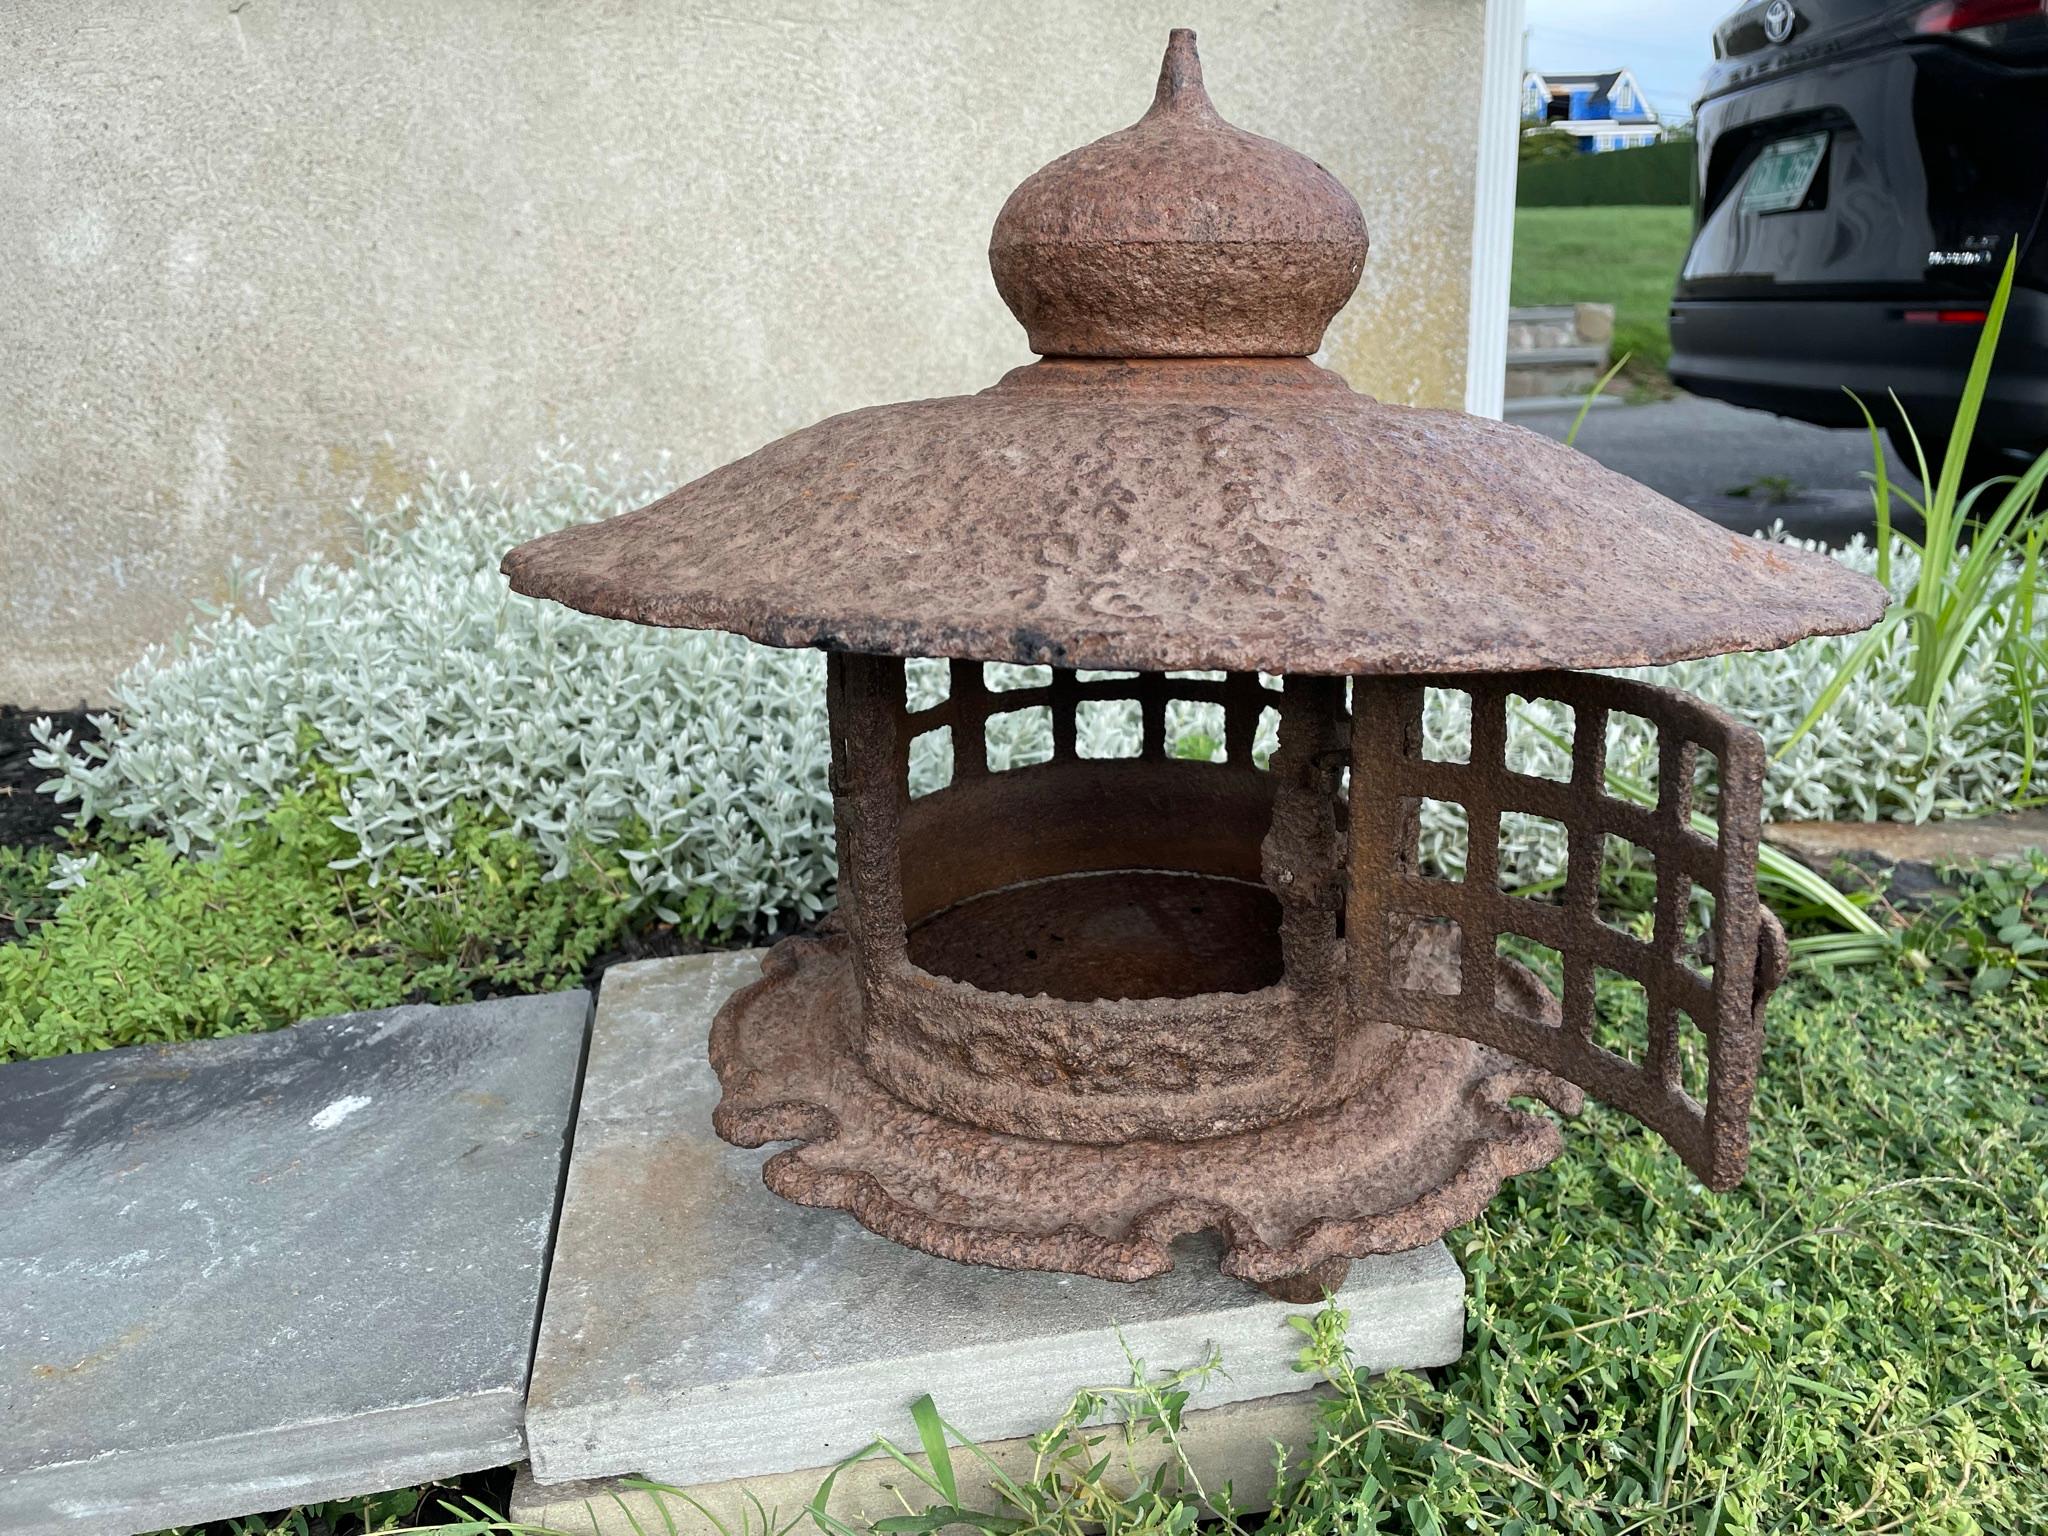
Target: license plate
[{"x": 1782, "y": 175}]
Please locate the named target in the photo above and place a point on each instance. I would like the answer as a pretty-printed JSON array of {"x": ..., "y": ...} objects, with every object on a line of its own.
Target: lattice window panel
[
  {"x": 969, "y": 703},
  {"x": 1390, "y": 898}
]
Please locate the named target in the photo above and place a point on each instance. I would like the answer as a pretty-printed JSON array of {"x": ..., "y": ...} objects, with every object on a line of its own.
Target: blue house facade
[{"x": 1602, "y": 111}]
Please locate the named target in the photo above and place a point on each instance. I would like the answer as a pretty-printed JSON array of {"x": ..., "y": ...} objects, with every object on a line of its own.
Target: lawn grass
[
  {"x": 1627, "y": 257},
  {"x": 1854, "y": 1339}
]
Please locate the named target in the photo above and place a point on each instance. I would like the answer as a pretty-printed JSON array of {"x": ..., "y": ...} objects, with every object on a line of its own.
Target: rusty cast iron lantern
[{"x": 1075, "y": 1010}]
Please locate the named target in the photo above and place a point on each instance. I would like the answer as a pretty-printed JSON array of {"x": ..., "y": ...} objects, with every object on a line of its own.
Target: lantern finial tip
[{"x": 1180, "y": 75}]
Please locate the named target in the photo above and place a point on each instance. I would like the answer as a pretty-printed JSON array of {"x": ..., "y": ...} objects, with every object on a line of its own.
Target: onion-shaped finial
[{"x": 1180, "y": 236}]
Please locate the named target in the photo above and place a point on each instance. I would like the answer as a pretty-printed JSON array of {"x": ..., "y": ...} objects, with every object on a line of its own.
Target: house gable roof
[{"x": 1598, "y": 86}]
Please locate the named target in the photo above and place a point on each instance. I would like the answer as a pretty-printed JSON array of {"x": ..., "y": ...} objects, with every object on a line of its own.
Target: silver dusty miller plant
[{"x": 416, "y": 675}]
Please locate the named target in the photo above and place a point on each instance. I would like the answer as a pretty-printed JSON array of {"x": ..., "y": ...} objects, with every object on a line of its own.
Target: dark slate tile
[{"x": 240, "y": 1274}]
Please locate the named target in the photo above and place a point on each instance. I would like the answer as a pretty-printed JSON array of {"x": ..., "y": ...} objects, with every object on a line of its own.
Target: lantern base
[{"x": 1415, "y": 1153}]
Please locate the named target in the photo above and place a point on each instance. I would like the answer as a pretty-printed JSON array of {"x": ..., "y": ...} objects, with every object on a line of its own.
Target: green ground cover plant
[
  {"x": 1856, "y": 1339},
  {"x": 286, "y": 922},
  {"x": 26, "y": 900},
  {"x": 1991, "y": 936},
  {"x": 1625, "y": 256}
]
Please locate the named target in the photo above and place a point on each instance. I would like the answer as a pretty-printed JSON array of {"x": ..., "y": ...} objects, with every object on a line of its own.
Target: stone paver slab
[
  {"x": 240, "y": 1274},
  {"x": 1994, "y": 839},
  {"x": 698, "y": 1328},
  {"x": 1229, "y": 1447}
]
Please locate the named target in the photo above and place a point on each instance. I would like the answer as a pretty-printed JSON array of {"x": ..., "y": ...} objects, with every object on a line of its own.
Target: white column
[{"x": 1493, "y": 213}]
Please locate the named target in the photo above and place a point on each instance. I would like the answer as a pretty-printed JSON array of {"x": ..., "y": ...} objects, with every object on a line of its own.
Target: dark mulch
[
  {"x": 661, "y": 942},
  {"x": 492, "y": 1488},
  {"x": 28, "y": 819}
]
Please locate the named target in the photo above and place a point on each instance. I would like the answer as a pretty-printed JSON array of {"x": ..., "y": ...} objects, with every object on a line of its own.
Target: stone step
[
  {"x": 1571, "y": 384},
  {"x": 1537, "y": 334},
  {"x": 1228, "y": 1447},
  {"x": 278, "y": 1269},
  {"x": 247, "y": 1273},
  {"x": 1524, "y": 333},
  {"x": 1557, "y": 357},
  {"x": 700, "y": 1329},
  {"x": 1907, "y": 857}
]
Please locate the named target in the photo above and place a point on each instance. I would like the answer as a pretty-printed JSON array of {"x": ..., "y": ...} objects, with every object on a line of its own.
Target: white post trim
[{"x": 1493, "y": 208}]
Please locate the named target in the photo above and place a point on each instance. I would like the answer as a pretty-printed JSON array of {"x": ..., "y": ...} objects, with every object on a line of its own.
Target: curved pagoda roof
[{"x": 1176, "y": 487}]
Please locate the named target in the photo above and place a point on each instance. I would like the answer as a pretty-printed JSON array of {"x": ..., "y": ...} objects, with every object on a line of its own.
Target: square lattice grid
[
  {"x": 970, "y": 703},
  {"x": 1690, "y": 980}
]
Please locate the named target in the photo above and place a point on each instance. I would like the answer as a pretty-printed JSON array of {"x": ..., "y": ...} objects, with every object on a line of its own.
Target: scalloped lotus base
[{"x": 1396, "y": 1166}]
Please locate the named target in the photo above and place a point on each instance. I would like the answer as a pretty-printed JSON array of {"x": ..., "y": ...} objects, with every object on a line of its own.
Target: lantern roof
[{"x": 1176, "y": 486}]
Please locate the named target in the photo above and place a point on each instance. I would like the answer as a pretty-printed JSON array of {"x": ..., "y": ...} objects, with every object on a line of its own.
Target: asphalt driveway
[{"x": 1744, "y": 469}]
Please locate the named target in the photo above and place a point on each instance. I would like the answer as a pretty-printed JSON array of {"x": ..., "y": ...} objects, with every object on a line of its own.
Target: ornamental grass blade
[
  {"x": 633, "y": 1520},
  {"x": 1831, "y": 951},
  {"x": 1775, "y": 867},
  {"x": 1880, "y": 491},
  {"x": 1866, "y": 651},
  {"x": 830, "y": 1523},
  {"x": 1975, "y": 386},
  {"x": 1919, "y": 464},
  {"x": 931, "y": 1431},
  {"x": 2023, "y": 653},
  {"x": 1571, "y": 438}
]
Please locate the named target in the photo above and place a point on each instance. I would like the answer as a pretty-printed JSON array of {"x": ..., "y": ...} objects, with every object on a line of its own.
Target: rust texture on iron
[
  {"x": 1077, "y": 1009},
  {"x": 1390, "y": 1168},
  {"x": 1181, "y": 236},
  {"x": 1165, "y": 515},
  {"x": 1713, "y": 985},
  {"x": 1089, "y": 1005}
]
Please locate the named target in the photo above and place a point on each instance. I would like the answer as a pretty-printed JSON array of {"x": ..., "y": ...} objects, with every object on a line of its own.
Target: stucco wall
[{"x": 244, "y": 240}]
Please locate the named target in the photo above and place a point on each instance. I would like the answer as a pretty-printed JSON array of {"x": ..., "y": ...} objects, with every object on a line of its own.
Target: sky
[{"x": 1667, "y": 44}]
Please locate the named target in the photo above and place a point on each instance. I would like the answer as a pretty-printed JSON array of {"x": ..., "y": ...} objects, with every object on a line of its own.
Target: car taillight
[
  {"x": 1945, "y": 316},
  {"x": 1960, "y": 17}
]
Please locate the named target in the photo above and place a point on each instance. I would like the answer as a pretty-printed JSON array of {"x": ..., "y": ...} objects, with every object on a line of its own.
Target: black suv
[{"x": 1864, "y": 167}]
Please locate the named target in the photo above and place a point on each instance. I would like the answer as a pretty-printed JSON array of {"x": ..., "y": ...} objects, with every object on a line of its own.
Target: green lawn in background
[{"x": 1627, "y": 257}]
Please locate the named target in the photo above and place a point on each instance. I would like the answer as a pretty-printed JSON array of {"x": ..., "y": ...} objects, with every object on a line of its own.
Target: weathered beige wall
[{"x": 243, "y": 240}]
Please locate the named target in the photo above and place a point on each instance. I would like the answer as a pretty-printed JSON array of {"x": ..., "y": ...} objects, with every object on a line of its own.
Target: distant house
[{"x": 1603, "y": 111}]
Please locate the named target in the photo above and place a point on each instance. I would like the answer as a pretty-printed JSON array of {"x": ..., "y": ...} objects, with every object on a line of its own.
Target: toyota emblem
[{"x": 1779, "y": 20}]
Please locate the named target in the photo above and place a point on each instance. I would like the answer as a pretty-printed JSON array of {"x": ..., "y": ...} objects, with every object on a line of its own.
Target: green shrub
[
  {"x": 1989, "y": 935},
  {"x": 1546, "y": 145},
  {"x": 152, "y": 945},
  {"x": 1654, "y": 175},
  {"x": 417, "y": 675}
]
